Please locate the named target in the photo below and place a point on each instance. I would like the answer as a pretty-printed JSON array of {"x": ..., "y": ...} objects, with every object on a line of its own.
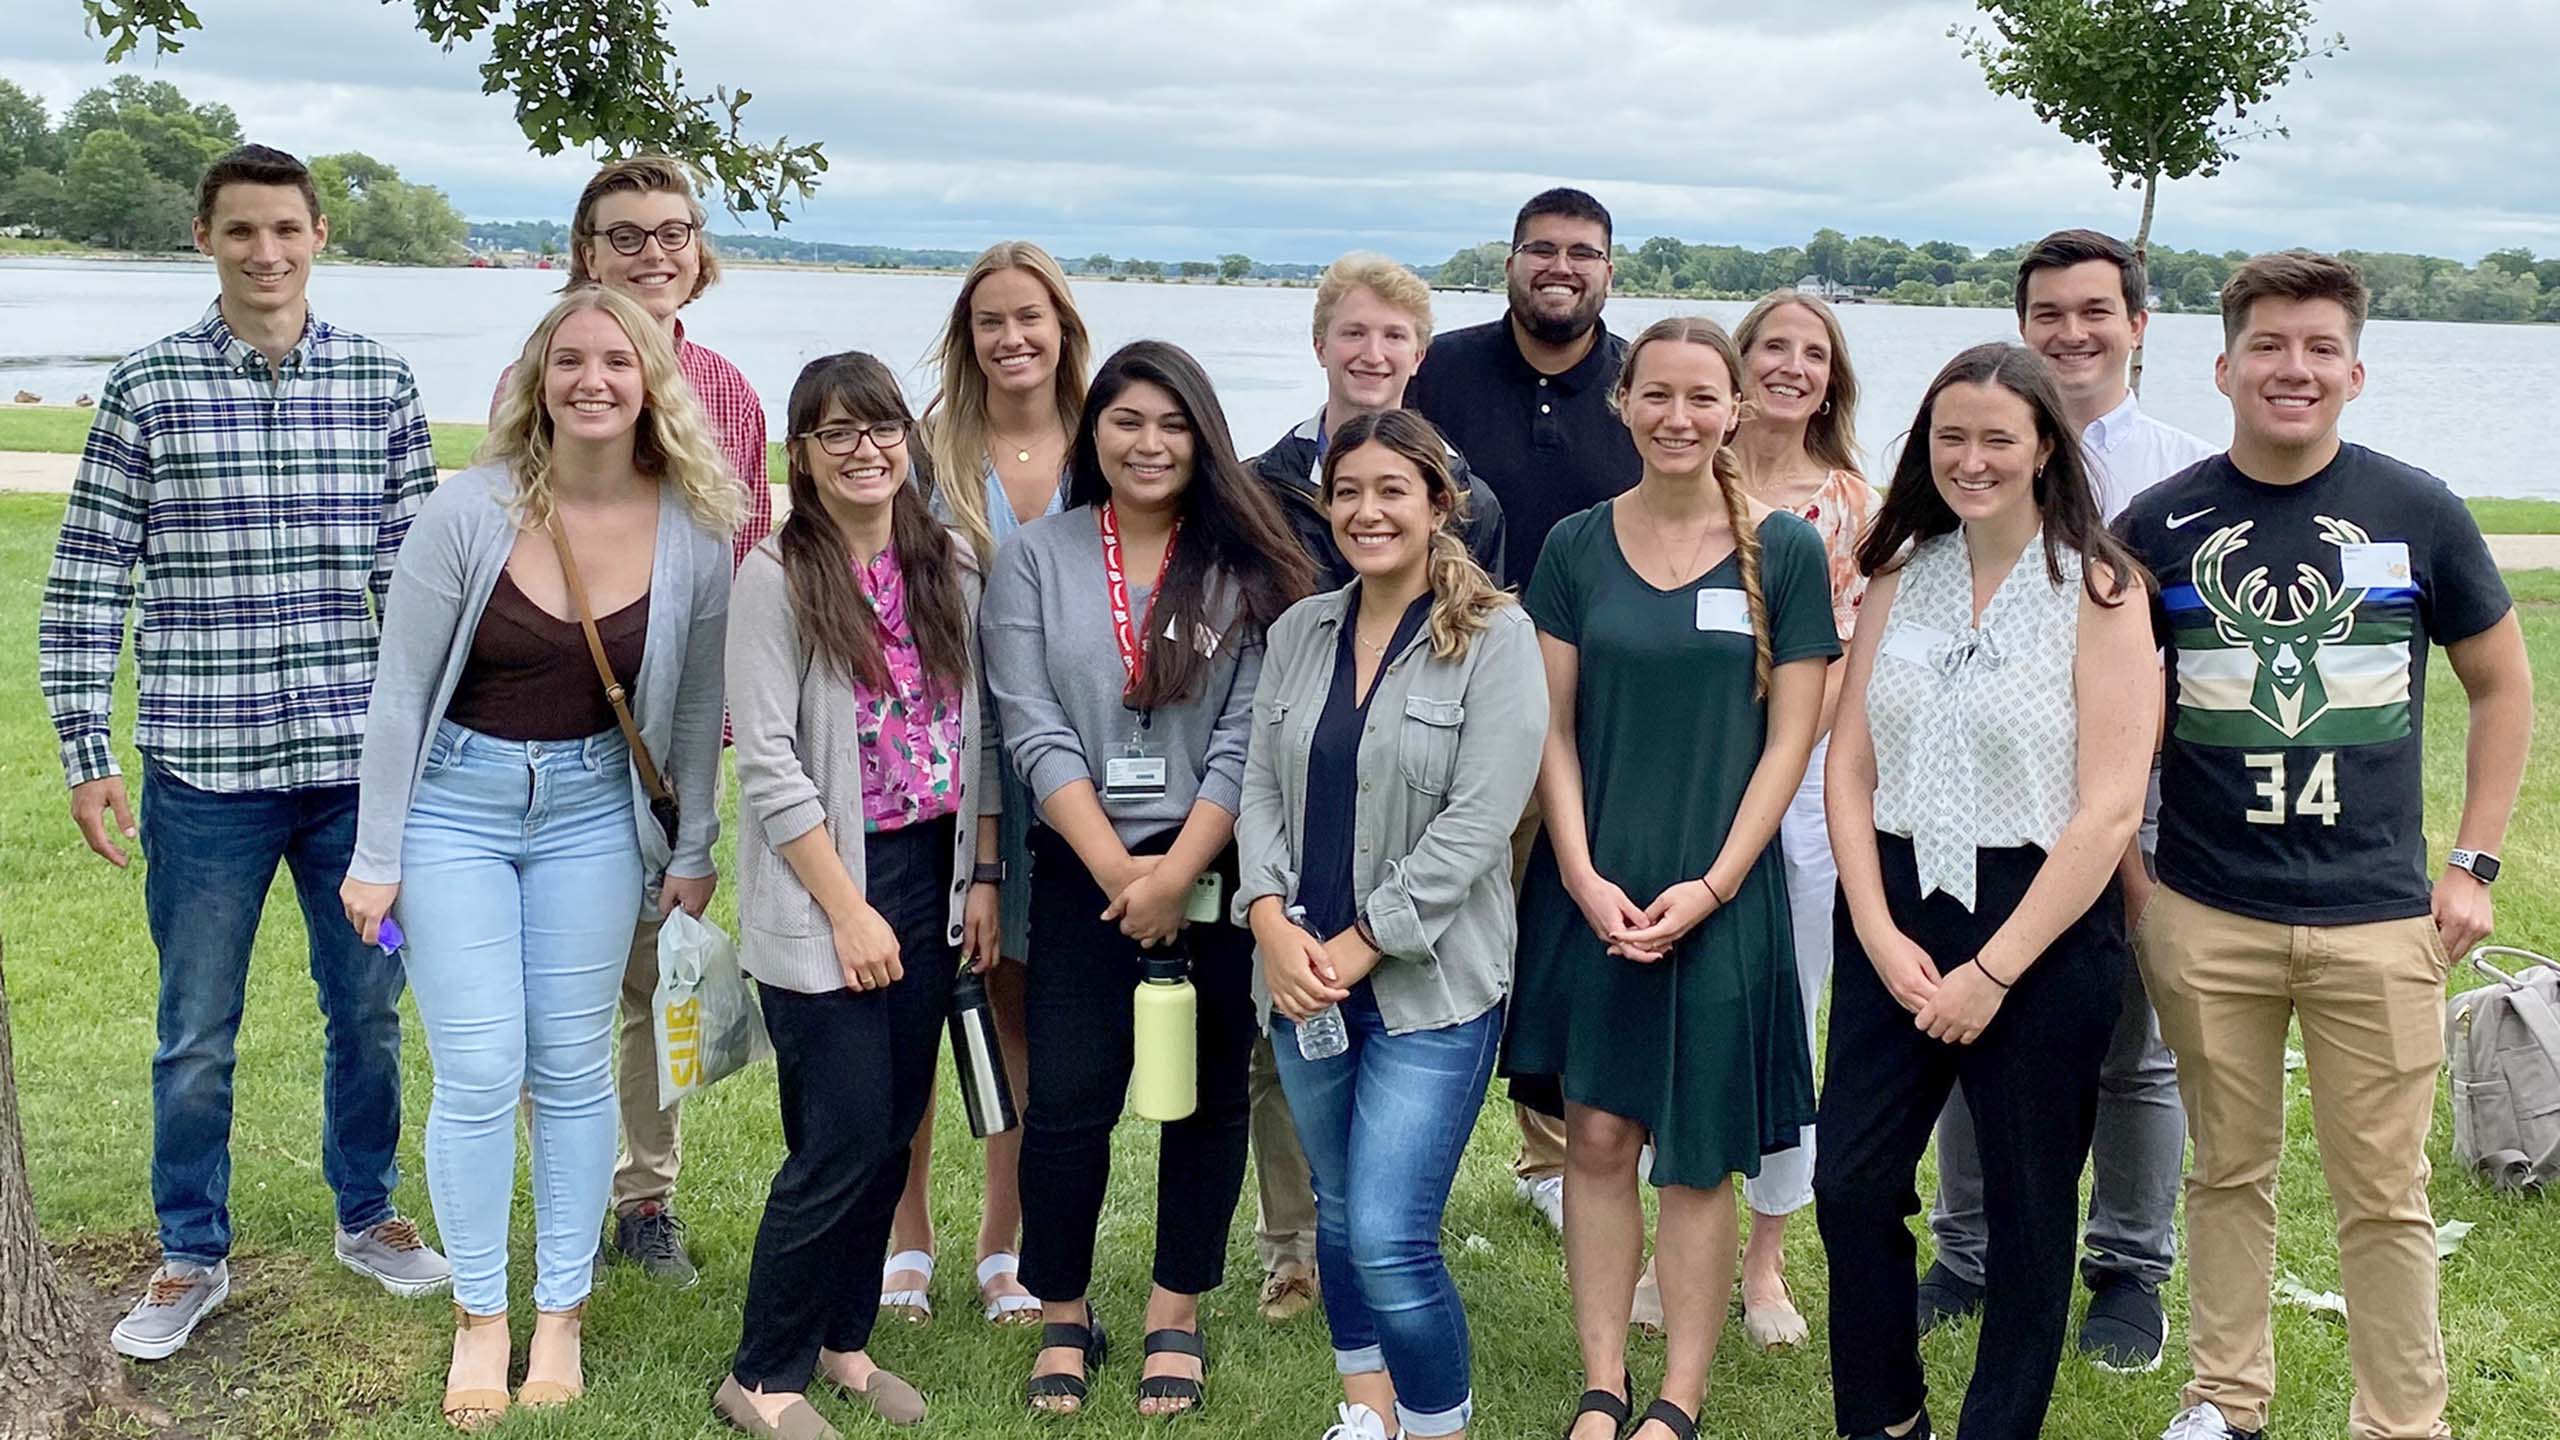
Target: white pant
[{"x": 1785, "y": 1182}]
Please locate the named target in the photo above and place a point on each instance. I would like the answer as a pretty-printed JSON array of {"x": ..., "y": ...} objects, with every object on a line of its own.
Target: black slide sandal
[
  {"x": 1671, "y": 1417},
  {"x": 1089, "y": 1338},
  {"x": 1600, "y": 1402},
  {"x": 1176, "y": 1387}
]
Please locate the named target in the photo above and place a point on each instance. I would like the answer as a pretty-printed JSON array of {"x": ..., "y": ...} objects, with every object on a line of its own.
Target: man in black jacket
[{"x": 1372, "y": 325}]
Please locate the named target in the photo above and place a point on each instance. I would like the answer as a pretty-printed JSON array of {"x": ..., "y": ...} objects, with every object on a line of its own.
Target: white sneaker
[
  {"x": 2204, "y": 1421},
  {"x": 1544, "y": 1195},
  {"x": 1358, "y": 1422}
]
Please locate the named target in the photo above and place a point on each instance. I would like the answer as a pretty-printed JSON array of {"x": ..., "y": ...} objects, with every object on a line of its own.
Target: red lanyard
[{"x": 1133, "y": 653}]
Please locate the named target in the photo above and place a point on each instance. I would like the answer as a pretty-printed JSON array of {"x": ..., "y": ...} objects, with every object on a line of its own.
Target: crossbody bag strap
[{"x": 613, "y": 691}]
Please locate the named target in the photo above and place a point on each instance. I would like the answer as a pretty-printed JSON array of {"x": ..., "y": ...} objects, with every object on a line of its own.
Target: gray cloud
[{"x": 1296, "y": 128}]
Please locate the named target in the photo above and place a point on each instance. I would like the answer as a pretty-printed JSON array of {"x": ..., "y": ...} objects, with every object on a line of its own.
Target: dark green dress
[{"x": 1706, "y": 1046}]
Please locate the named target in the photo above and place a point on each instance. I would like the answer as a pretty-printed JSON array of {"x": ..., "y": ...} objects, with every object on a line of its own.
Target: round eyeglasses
[
  {"x": 843, "y": 440},
  {"x": 627, "y": 238}
]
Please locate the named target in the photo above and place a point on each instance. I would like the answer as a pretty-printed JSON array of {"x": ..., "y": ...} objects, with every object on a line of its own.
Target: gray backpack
[{"x": 2503, "y": 1042}]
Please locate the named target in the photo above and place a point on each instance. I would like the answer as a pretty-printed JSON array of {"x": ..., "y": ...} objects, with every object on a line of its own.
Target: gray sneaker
[
  {"x": 394, "y": 1255},
  {"x": 177, "y": 1299},
  {"x": 649, "y": 1235}
]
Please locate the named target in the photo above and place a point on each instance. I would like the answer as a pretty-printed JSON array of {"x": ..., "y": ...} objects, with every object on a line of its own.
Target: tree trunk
[
  {"x": 54, "y": 1361},
  {"x": 2142, "y": 257}
]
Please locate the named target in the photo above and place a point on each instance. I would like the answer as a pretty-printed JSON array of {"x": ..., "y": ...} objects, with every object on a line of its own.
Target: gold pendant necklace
[{"x": 1021, "y": 452}]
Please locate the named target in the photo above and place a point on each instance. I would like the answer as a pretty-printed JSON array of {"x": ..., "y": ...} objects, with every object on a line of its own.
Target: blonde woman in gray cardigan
[
  {"x": 867, "y": 802},
  {"x": 1396, "y": 734},
  {"x": 501, "y": 809}
]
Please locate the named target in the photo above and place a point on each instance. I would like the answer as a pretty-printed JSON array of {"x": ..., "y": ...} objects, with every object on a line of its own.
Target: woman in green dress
[{"x": 1686, "y": 628}]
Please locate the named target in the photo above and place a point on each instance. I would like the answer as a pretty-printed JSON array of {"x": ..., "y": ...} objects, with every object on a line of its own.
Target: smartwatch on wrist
[
  {"x": 987, "y": 872},
  {"x": 2482, "y": 865}
]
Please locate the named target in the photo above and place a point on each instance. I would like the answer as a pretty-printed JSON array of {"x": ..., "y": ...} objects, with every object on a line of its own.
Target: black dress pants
[
  {"x": 855, "y": 1069},
  {"x": 1077, "y": 1010},
  {"x": 2031, "y": 1083}
]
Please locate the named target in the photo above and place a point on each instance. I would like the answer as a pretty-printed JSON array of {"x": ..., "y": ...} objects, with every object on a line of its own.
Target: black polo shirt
[{"x": 1547, "y": 444}]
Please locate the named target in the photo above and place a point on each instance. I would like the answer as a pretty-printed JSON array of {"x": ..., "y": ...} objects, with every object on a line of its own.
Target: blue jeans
[
  {"x": 211, "y": 858},
  {"x": 520, "y": 882},
  {"x": 1384, "y": 1125}
]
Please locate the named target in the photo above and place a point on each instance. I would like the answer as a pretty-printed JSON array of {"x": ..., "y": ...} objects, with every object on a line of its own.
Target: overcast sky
[{"x": 1294, "y": 129}]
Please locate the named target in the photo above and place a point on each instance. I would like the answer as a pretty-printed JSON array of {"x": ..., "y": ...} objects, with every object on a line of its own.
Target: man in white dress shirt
[{"x": 2081, "y": 302}]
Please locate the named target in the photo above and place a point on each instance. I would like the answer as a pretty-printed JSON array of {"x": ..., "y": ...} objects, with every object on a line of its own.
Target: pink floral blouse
[
  {"x": 1839, "y": 512},
  {"x": 910, "y": 734}
]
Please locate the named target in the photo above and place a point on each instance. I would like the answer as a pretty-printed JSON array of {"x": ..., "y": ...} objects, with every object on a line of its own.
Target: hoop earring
[{"x": 1826, "y": 407}]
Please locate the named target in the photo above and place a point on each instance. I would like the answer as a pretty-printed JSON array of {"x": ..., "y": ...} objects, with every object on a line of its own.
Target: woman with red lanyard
[{"x": 1123, "y": 638}]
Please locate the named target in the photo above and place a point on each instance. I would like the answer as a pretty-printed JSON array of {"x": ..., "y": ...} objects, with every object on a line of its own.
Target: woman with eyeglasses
[
  {"x": 1123, "y": 640},
  {"x": 865, "y": 793}
]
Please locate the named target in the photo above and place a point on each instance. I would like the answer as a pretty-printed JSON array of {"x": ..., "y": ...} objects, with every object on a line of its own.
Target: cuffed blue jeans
[
  {"x": 1384, "y": 1125},
  {"x": 210, "y": 859},
  {"x": 521, "y": 880}
]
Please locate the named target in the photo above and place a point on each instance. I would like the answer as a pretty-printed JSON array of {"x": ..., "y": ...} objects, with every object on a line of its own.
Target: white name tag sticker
[
  {"x": 1914, "y": 643},
  {"x": 2377, "y": 565},
  {"x": 1728, "y": 611},
  {"x": 1203, "y": 639}
]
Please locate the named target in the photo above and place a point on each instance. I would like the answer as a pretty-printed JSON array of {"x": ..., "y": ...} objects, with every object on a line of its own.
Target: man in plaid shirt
[
  {"x": 260, "y": 467},
  {"x": 638, "y": 229}
]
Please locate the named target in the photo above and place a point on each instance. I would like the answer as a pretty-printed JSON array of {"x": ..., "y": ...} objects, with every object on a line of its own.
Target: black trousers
[
  {"x": 855, "y": 1069},
  {"x": 2031, "y": 1083},
  {"x": 1083, "y": 978}
]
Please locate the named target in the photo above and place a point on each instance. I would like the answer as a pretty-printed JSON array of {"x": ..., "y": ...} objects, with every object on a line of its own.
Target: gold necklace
[
  {"x": 1662, "y": 528},
  {"x": 1021, "y": 452}
]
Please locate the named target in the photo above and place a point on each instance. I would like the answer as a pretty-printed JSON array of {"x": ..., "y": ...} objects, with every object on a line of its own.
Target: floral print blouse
[
  {"x": 910, "y": 733},
  {"x": 1839, "y": 512}
]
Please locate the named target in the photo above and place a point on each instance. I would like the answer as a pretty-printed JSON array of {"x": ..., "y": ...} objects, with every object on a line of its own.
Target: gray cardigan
[
  {"x": 448, "y": 566},
  {"x": 794, "y": 723},
  {"x": 1446, "y": 765},
  {"x": 1055, "y": 670}
]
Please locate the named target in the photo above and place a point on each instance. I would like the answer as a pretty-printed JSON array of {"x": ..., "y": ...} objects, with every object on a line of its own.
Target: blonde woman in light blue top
[{"x": 1013, "y": 359}]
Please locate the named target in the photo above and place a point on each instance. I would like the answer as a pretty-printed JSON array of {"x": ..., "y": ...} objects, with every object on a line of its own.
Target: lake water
[{"x": 2473, "y": 403}]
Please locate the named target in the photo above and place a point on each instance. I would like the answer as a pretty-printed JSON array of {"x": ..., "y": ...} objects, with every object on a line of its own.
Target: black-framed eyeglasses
[
  {"x": 1545, "y": 252},
  {"x": 627, "y": 238},
  {"x": 843, "y": 440}
]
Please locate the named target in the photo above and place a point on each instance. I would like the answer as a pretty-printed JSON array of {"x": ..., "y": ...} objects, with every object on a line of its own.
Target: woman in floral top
[
  {"x": 1799, "y": 452},
  {"x": 866, "y": 805}
]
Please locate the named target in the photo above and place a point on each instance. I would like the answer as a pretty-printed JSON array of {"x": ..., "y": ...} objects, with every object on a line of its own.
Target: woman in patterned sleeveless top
[{"x": 1986, "y": 776}]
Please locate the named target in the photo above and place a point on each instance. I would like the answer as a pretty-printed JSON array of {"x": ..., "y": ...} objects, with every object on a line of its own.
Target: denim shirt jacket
[{"x": 1448, "y": 757}]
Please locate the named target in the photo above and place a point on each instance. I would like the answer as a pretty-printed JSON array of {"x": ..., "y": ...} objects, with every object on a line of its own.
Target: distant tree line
[
  {"x": 120, "y": 171},
  {"x": 2509, "y": 285}
]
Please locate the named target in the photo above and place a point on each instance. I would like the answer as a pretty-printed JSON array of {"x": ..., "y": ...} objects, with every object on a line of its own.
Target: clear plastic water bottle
[{"x": 1321, "y": 1036}]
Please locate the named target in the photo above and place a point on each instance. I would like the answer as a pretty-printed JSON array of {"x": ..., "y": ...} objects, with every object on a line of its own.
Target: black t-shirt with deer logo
[{"x": 2295, "y": 621}]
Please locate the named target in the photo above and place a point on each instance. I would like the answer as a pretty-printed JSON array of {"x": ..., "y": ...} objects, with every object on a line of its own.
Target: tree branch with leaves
[
  {"x": 583, "y": 72},
  {"x": 2164, "y": 89}
]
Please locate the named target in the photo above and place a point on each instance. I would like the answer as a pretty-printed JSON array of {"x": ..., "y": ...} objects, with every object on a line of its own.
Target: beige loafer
[
  {"x": 799, "y": 1422},
  {"x": 888, "y": 1396}
]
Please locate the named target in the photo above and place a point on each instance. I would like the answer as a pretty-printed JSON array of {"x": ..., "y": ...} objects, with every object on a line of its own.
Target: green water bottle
[{"x": 1164, "y": 1084}]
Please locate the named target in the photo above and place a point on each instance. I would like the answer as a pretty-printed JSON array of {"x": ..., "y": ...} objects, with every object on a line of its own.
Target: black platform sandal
[
  {"x": 1175, "y": 1387},
  {"x": 1681, "y": 1424},
  {"x": 1089, "y": 1338},
  {"x": 1600, "y": 1402}
]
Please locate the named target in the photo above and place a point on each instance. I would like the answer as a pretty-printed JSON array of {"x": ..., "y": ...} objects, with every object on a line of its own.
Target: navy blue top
[
  {"x": 1333, "y": 775},
  {"x": 1548, "y": 445}
]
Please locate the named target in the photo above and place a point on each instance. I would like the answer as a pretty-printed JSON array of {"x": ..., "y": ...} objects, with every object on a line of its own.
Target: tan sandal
[
  {"x": 475, "y": 1410},
  {"x": 536, "y": 1394}
]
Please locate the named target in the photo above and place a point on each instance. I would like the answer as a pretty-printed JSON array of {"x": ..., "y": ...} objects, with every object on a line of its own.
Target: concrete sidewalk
[{"x": 51, "y": 474}]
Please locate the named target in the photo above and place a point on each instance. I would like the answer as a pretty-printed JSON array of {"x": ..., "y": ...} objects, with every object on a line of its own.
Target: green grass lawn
[
  {"x": 60, "y": 429},
  {"x": 306, "y": 1349}
]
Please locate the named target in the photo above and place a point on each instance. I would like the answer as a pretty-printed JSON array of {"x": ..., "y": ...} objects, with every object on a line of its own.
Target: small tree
[
  {"x": 582, "y": 73},
  {"x": 1233, "y": 267},
  {"x": 2163, "y": 88}
]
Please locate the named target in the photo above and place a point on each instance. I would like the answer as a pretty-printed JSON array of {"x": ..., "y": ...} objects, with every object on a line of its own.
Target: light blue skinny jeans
[
  {"x": 1384, "y": 1125},
  {"x": 520, "y": 884}
]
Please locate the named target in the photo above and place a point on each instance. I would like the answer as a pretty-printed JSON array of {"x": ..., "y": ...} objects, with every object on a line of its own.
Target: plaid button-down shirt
[
  {"x": 736, "y": 416},
  {"x": 263, "y": 506}
]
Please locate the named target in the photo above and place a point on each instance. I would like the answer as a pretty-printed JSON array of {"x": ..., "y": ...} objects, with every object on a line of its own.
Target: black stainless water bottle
[{"x": 978, "y": 1057}]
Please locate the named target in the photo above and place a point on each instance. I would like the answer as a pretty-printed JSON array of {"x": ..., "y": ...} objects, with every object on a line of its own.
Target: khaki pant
[
  {"x": 1284, "y": 1225},
  {"x": 651, "y": 1150},
  {"x": 2370, "y": 1002}
]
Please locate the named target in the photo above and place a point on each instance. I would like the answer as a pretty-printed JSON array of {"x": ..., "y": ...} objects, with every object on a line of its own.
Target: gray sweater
[
  {"x": 1055, "y": 669},
  {"x": 448, "y": 566},
  {"x": 796, "y": 724},
  {"x": 1447, "y": 760}
]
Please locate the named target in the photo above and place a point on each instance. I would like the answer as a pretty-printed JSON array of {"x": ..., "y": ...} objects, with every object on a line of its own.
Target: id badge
[
  {"x": 1136, "y": 773},
  {"x": 1207, "y": 903}
]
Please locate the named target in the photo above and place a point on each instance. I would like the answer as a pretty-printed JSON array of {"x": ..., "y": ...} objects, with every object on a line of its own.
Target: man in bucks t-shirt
[{"x": 2301, "y": 581}]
